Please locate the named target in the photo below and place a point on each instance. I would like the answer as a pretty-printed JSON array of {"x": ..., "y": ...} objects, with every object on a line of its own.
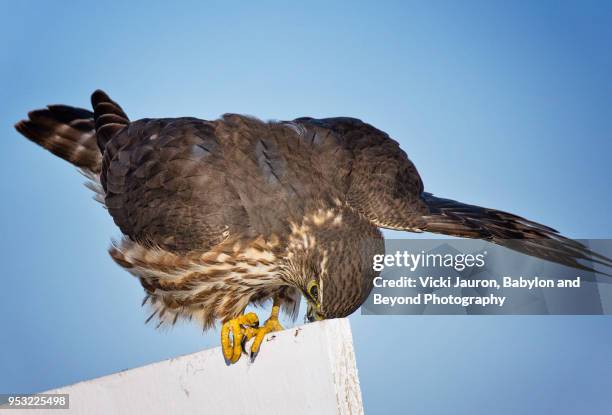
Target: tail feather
[
  {"x": 109, "y": 117},
  {"x": 65, "y": 131},
  {"x": 450, "y": 217}
]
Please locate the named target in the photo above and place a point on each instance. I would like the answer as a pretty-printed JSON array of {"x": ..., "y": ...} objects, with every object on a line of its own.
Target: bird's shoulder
[{"x": 382, "y": 182}]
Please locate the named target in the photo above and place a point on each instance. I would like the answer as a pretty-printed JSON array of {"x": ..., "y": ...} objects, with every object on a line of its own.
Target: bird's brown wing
[
  {"x": 165, "y": 185},
  {"x": 385, "y": 186},
  {"x": 378, "y": 178},
  {"x": 450, "y": 217}
]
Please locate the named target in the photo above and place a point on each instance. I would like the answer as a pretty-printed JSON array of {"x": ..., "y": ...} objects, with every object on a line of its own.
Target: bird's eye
[{"x": 313, "y": 290}]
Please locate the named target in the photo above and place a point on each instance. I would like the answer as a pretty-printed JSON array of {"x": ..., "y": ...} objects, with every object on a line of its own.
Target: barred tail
[
  {"x": 67, "y": 132},
  {"x": 450, "y": 217},
  {"x": 109, "y": 117}
]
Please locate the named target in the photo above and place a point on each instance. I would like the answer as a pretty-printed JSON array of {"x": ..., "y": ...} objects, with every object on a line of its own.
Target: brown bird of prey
[{"x": 217, "y": 215}]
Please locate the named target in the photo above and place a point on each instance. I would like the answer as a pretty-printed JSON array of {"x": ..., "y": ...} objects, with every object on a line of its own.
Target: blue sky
[{"x": 502, "y": 104}]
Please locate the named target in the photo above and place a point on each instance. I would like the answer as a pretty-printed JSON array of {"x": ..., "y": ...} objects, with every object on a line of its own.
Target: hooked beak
[{"x": 312, "y": 314}]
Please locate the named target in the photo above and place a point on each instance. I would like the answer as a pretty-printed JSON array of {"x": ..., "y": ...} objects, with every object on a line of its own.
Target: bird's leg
[
  {"x": 241, "y": 329},
  {"x": 269, "y": 326}
]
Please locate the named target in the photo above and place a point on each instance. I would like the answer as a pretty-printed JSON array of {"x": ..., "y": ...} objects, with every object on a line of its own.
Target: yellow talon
[
  {"x": 241, "y": 328},
  {"x": 269, "y": 326},
  {"x": 236, "y": 332}
]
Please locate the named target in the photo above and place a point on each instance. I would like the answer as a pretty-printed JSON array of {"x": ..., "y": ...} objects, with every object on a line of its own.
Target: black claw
[
  {"x": 243, "y": 343},
  {"x": 253, "y": 356}
]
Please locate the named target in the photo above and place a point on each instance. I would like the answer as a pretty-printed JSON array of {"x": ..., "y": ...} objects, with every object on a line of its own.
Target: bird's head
[{"x": 330, "y": 261}]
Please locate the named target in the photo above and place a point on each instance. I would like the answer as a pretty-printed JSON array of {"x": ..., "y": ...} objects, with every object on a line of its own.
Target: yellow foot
[
  {"x": 271, "y": 325},
  {"x": 241, "y": 330}
]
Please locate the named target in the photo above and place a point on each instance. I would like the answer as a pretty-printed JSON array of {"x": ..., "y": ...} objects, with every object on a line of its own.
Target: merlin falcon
[{"x": 218, "y": 215}]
